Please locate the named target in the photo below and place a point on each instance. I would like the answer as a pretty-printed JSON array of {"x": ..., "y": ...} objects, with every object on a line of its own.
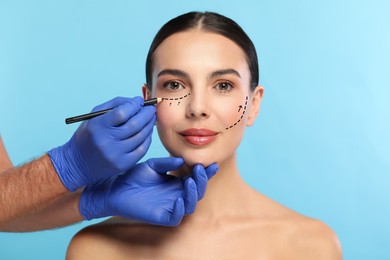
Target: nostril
[{"x": 192, "y": 114}]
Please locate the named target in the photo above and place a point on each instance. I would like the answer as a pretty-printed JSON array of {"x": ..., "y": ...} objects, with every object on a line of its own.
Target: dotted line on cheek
[
  {"x": 178, "y": 98},
  {"x": 243, "y": 112}
]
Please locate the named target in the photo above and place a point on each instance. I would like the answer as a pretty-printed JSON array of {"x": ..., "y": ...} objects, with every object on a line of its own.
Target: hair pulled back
[{"x": 210, "y": 22}]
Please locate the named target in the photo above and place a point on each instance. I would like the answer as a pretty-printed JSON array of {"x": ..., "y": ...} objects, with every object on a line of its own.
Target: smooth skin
[{"x": 233, "y": 221}]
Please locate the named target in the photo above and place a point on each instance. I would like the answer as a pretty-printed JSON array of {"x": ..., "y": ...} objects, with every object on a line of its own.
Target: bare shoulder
[
  {"x": 295, "y": 236},
  {"x": 313, "y": 239},
  {"x": 116, "y": 238},
  {"x": 305, "y": 238},
  {"x": 88, "y": 243},
  {"x": 99, "y": 241}
]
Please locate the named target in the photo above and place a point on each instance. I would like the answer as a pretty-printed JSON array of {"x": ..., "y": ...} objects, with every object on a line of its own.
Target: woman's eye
[
  {"x": 173, "y": 86},
  {"x": 224, "y": 87}
]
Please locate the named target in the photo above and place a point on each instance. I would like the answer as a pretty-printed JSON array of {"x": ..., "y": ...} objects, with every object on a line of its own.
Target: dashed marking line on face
[
  {"x": 242, "y": 115},
  {"x": 227, "y": 128},
  {"x": 176, "y": 99}
]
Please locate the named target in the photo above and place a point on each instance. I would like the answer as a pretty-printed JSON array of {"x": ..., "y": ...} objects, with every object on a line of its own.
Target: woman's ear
[
  {"x": 254, "y": 110},
  {"x": 146, "y": 92}
]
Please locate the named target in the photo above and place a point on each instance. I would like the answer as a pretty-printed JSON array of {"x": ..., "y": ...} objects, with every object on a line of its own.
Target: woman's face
[{"x": 204, "y": 81}]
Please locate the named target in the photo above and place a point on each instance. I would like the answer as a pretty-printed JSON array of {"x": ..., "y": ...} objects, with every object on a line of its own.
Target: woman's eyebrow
[
  {"x": 183, "y": 74},
  {"x": 174, "y": 72},
  {"x": 223, "y": 72}
]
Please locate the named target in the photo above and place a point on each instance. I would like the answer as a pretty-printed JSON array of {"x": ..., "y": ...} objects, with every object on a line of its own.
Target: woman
[{"x": 205, "y": 67}]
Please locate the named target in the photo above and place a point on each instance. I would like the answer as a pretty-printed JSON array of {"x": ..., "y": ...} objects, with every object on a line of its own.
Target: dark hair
[{"x": 211, "y": 22}]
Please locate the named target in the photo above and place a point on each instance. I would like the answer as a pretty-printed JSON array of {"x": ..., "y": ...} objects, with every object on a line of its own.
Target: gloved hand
[
  {"x": 105, "y": 145},
  {"x": 146, "y": 193}
]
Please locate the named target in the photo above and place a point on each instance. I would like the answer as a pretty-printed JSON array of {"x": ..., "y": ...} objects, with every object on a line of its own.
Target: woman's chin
[
  {"x": 191, "y": 161},
  {"x": 192, "y": 158},
  {"x": 186, "y": 169}
]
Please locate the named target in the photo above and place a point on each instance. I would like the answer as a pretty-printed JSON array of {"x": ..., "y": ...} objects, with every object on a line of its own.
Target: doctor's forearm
[
  {"x": 28, "y": 189},
  {"x": 63, "y": 212}
]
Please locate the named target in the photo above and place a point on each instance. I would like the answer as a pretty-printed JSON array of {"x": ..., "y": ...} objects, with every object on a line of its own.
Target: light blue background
[{"x": 320, "y": 145}]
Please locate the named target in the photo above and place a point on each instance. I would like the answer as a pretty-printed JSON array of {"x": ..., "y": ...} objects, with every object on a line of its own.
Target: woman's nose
[{"x": 197, "y": 105}]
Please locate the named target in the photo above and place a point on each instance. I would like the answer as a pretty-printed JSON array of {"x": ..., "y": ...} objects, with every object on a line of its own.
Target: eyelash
[
  {"x": 167, "y": 85},
  {"x": 230, "y": 87}
]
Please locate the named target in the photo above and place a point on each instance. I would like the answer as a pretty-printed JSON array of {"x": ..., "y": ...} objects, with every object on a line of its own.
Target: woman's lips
[{"x": 199, "y": 136}]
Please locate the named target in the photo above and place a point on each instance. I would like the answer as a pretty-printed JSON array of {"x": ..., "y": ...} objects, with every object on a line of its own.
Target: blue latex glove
[
  {"x": 146, "y": 193},
  {"x": 106, "y": 145}
]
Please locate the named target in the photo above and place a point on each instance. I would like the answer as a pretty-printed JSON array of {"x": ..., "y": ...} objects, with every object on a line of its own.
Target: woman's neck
[{"x": 225, "y": 195}]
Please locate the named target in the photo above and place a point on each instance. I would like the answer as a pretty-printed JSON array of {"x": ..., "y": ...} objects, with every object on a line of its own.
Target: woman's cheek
[
  {"x": 231, "y": 111},
  {"x": 226, "y": 116},
  {"x": 162, "y": 113},
  {"x": 232, "y": 116},
  {"x": 167, "y": 121}
]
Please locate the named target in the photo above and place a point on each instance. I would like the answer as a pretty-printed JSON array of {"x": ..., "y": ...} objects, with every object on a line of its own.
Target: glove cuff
[
  {"x": 87, "y": 211},
  {"x": 93, "y": 200},
  {"x": 70, "y": 176}
]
